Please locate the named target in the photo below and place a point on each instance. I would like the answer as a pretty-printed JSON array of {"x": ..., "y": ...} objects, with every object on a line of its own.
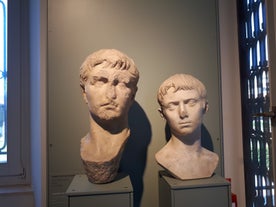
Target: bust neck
[
  {"x": 182, "y": 146},
  {"x": 103, "y": 145}
]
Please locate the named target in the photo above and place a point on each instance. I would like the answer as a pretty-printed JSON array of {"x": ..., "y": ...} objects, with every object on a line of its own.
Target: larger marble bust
[
  {"x": 108, "y": 79},
  {"x": 183, "y": 103}
]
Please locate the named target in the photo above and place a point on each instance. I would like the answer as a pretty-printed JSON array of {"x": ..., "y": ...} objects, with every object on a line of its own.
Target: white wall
[
  {"x": 232, "y": 132},
  {"x": 231, "y": 101},
  {"x": 163, "y": 38}
]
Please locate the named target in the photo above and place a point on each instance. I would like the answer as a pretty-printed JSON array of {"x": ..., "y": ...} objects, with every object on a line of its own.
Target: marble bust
[
  {"x": 183, "y": 103},
  {"x": 108, "y": 80}
]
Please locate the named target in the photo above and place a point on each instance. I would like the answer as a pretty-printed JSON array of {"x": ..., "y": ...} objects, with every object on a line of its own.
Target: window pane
[
  {"x": 14, "y": 92},
  {"x": 257, "y": 134},
  {"x": 3, "y": 80}
]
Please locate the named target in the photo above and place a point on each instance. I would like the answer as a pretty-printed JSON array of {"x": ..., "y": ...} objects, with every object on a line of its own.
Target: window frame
[{"x": 16, "y": 170}]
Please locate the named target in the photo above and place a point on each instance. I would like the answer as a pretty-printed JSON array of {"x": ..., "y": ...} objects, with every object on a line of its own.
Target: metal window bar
[
  {"x": 257, "y": 139},
  {"x": 3, "y": 81}
]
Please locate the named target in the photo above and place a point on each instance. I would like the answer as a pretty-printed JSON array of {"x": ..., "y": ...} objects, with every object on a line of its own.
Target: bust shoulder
[{"x": 185, "y": 165}]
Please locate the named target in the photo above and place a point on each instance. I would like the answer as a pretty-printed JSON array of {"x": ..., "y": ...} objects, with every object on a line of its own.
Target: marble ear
[
  {"x": 206, "y": 107},
  {"x": 134, "y": 93},
  {"x": 84, "y": 96},
  {"x": 161, "y": 113}
]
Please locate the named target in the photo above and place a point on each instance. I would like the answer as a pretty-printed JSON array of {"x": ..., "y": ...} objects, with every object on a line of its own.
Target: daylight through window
[{"x": 3, "y": 80}]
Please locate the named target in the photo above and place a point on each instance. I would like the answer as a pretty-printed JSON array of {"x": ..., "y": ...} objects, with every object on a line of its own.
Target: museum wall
[
  {"x": 231, "y": 99},
  {"x": 163, "y": 38}
]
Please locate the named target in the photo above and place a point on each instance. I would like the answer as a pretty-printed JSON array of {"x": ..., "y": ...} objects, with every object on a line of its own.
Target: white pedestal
[
  {"x": 214, "y": 192},
  {"x": 82, "y": 193}
]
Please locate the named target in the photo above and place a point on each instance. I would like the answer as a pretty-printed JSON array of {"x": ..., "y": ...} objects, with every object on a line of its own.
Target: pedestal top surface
[{"x": 215, "y": 180}]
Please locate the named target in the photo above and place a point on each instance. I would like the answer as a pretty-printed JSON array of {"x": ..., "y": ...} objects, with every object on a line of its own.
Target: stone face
[
  {"x": 108, "y": 79},
  {"x": 183, "y": 103}
]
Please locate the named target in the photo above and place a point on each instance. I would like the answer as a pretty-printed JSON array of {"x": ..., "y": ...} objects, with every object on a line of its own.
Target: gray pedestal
[
  {"x": 214, "y": 191},
  {"x": 82, "y": 193}
]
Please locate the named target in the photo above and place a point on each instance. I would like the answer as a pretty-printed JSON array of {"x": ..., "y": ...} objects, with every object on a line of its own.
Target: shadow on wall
[
  {"x": 134, "y": 157},
  {"x": 206, "y": 140}
]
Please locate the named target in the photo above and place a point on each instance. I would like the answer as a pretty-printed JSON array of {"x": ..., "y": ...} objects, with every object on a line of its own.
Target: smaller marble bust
[
  {"x": 108, "y": 79},
  {"x": 183, "y": 103}
]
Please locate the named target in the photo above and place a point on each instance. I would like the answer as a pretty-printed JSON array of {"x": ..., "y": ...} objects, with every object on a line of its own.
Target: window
[
  {"x": 3, "y": 80},
  {"x": 14, "y": 93},
  {"x": 257, "y": 132}
]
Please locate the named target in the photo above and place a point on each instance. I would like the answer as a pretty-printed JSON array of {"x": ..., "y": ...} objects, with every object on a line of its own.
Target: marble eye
[{"x": 172, "y": 106}]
